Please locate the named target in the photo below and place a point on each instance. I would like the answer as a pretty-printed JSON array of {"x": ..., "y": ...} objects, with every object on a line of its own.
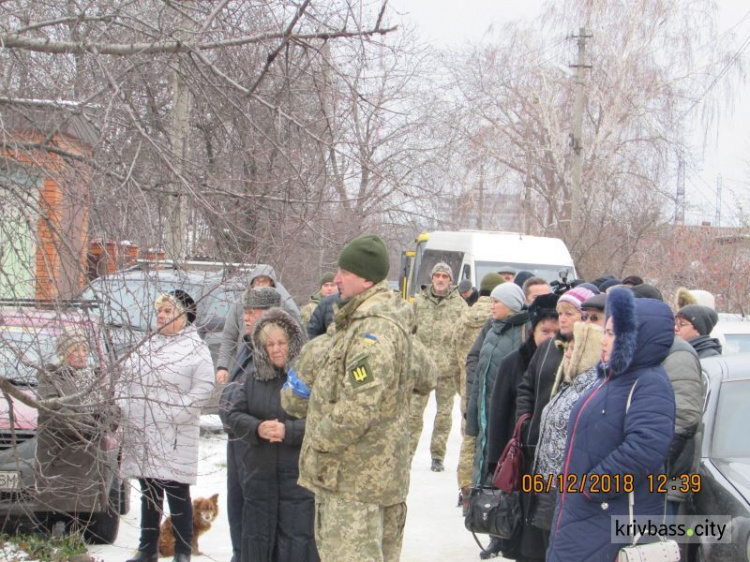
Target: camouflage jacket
[
  {"x": 436, "y": 320},
  {"x": 307, "y": 310},
  {"x": 356, "y": 444},
  {"x": 467, "y": 329}
]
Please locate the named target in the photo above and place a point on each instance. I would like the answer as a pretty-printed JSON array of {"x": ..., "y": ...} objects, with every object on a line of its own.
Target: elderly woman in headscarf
[
  {"x": 168, "y": 379},
  {"x": 576, "y": 375},
  {"x": 75, "y": 413},
  {"x": 278, "y": 516}
]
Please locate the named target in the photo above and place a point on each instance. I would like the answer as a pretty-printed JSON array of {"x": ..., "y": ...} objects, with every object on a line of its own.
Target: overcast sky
[{"x": 451, "y": 22}]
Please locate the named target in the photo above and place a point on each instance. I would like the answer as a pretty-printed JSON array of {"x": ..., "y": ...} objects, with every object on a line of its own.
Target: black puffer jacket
[
  {"x": 322, "y": 316},
  {"x": 535, "y": 390},
  {"x": 273, "y": 499}
]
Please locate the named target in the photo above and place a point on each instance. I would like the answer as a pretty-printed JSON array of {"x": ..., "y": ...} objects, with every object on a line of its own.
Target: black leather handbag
[{"x": 493, "y": 512}]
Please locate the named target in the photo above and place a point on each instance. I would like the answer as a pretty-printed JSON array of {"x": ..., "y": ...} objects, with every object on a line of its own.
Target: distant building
[{"x": 44, "y": 186}]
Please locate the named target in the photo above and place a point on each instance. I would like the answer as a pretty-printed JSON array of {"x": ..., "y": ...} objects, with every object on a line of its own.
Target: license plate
[{"x": 9, "y": 480}]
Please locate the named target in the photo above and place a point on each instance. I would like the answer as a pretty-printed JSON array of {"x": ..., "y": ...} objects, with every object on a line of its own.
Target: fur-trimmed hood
[
  {"x": 587, "y": 349},
  {"x": 644, "y": 331},
  {"x": 264, "y": 370}
]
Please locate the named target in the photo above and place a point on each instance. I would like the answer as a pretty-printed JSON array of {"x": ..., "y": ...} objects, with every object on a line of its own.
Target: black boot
[
  {"x": 492, "y": 550},
  {"x": 144, "y": 557},
  {"x": 181, "y": 557}
]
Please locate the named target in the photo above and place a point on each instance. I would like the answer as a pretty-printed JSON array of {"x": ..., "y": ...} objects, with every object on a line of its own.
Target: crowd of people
[{"x": 323, "y": 416}]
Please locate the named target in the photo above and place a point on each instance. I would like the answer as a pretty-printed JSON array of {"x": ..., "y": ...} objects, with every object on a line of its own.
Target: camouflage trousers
[
  {"x": 468, "y": 443},
  {"x": 351, "y": 531},
  {"x": 444, "y": 394},
  {"x": 466, "y": 462}
]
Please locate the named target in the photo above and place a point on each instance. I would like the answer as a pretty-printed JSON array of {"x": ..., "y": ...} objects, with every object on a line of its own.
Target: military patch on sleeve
[
  {"x": 360, "y": 373},
  {"x": 370, "y": 338}
]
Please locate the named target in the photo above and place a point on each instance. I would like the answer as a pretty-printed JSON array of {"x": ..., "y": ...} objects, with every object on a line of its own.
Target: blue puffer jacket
[{"x": 603, "y": 439}]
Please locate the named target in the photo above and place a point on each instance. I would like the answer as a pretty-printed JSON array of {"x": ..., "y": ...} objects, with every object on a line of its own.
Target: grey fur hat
[{"x": 261, "y": 298}]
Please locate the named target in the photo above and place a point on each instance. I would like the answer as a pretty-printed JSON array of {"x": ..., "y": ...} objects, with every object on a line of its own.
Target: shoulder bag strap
[{"x": 631, "y": 495}]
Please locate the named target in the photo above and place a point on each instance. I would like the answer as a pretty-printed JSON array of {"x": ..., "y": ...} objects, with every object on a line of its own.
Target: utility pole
[
  {"x": 182, "y": 101},
  {"x": 679, "y": 212},
  {"x": 576, "y": 196},
  {"x": 481, "y": 198},
  {"x": 719, "y": 182},
  {"x": 527, "y": 183}
]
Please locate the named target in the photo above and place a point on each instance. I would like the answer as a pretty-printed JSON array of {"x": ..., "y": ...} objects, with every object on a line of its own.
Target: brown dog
[{"x": 205, "y": 511}]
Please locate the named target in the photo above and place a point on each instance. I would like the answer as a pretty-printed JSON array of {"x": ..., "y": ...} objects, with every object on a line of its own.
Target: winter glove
[{"x": 298, "y": 387}]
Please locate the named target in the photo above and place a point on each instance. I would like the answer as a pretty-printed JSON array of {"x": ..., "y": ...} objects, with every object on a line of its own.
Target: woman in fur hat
[
  {"x": 623, "y": 428},
  {"x": 278, "y": 516},
  {"x": 576, "y": 375},
  {"x": 167, "y": 381}
]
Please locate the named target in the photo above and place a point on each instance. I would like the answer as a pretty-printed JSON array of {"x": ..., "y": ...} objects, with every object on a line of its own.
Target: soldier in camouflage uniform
[
  {"x": 355, "y": 454},
  {"x": 327, "y": 288},
  {"x": 467, "y": 330},
  {"x": 437, "y": 309}
]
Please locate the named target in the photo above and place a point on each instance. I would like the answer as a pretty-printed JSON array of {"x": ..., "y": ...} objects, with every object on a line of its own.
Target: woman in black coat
[
  {"x": 278, "y": 516},
  {"x": 502, "y": 420}
]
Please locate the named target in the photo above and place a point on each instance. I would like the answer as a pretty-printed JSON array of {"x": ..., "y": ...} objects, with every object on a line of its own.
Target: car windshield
[
  {"x": 25, "y": 349},
  {"x": 732, "y": 421}
]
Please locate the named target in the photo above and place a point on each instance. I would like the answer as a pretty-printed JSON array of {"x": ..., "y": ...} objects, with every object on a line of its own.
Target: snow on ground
[{"x": 434, "y": 526}]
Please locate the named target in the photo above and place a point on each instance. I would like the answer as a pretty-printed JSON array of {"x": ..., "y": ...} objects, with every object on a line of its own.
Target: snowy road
[{"x": 434, "y": 527}]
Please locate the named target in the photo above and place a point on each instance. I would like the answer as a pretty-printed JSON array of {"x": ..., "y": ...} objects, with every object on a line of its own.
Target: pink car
[{"x": 32, "y": 492}]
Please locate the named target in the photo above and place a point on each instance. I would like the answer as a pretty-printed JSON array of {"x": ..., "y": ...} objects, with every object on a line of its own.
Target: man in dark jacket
[
  {"x": 693, "y": 323},
  {"x": 255, "y": 303},
  {"x": 322, "y": 316}
]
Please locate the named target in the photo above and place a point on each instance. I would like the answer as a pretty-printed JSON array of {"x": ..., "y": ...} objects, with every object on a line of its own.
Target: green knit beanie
[
  {"x": 490, "y": 281},
  {"x": 367, "y": 257},
  {"x": 327, "y": 278}
]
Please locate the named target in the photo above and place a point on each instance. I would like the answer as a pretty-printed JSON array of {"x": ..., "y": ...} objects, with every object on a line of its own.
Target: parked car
[
  {"x": 28, "y": 336},
  {"x": 733, "y": 331},
  {"x": 724, "y": 457},
  {"x": 126, "y": 301},
  {"x": 126, "y": 298}
]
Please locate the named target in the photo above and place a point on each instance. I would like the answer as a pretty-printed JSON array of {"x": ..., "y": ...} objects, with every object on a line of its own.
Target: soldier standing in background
[
  {"x": 437, "y": 309},
  {"x": 327, "y": 288},
  {"x": 355, "y": 455}
]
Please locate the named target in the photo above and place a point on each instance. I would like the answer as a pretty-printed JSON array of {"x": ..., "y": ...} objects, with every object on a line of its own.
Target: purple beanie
[{"x": 576, "y": 296}]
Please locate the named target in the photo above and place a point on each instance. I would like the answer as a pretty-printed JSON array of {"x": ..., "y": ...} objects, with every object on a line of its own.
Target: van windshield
[
  {"x": 431, "y": 257},
  {"x": 545, "y": 271}
]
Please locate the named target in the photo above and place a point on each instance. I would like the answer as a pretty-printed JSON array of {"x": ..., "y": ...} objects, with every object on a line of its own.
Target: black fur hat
[
  {"x": 544, "y": 307},
  {"x": 187, "y": 302}
]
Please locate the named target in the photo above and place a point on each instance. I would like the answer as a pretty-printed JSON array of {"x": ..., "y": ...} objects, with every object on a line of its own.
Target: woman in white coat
[{"x": 168, "y": 379}]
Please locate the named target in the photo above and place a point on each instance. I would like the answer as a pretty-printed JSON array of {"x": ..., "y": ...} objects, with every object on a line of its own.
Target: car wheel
[{"x": 102, "y": 527}]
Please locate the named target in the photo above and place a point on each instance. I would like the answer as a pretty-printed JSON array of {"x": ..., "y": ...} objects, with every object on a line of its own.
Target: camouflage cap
[{"x": 442, "y": 267}]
